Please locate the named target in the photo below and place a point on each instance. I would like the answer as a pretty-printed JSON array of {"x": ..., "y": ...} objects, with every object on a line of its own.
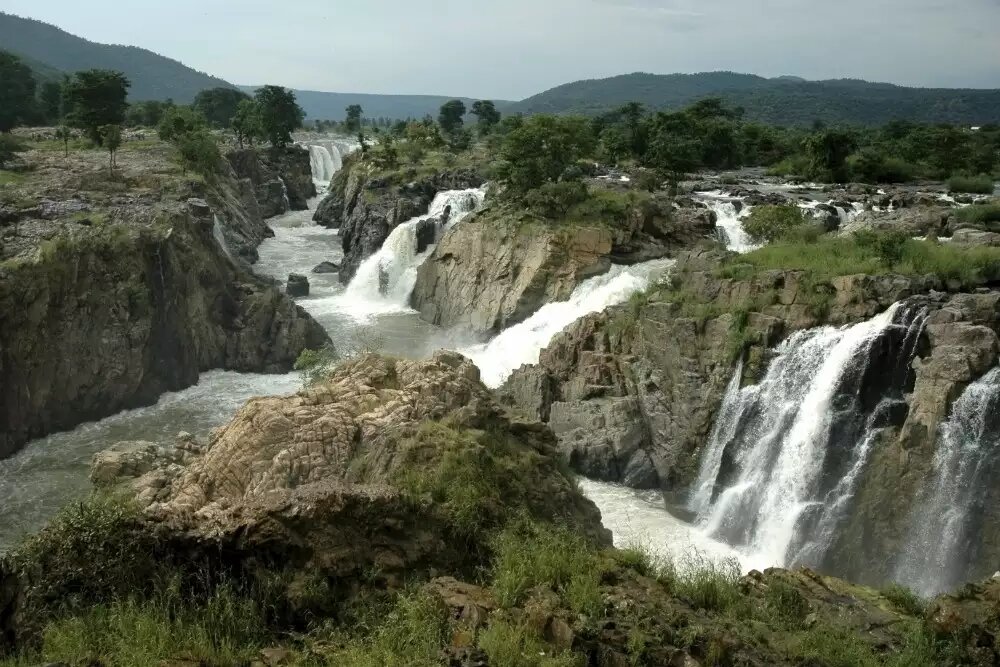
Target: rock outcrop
[
  {"x": 281, "y": 180},
  {"x": 333, "y": 476},
  {"x": 105, "y": 319},
  {"x": 498, "y": 267},
  {"x": 367, "y": 207}
]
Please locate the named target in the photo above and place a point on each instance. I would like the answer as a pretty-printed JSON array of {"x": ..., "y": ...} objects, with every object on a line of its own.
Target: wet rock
[
  {"x": 297, "y": 285},
  {"x": 326, "y": 267}
]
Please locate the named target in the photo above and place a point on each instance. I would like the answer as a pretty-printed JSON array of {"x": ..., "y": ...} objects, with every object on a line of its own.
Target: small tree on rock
[
  {"x": 246, "y": 122},
  {"x": 111, "y": 138},
  {"x": 280, "y": 114},
  {"x": 95, "y": 98},
  {"x": 452, "y": 115}
]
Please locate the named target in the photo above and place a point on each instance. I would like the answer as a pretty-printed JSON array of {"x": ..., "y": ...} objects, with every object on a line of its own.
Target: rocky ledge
[
  {"x": 366, "y": 205},
  {"x": 500, "y": 265}
]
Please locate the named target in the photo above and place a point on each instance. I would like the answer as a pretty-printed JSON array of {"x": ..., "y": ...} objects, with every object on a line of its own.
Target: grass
[
  {"x": 982, "y": 184},
  {"x": 980, "y": 214},
  {"x": 509, "y": 643},
  {"x": 11, "y": 178},
  {"x": 904, "y": 600}
]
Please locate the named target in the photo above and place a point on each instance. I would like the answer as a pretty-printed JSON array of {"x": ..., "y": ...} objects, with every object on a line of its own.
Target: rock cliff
[
  {"x": 281, "y": 179},
  {"x": 500, "y": 266},
  {"x": 366, "y": 205}
]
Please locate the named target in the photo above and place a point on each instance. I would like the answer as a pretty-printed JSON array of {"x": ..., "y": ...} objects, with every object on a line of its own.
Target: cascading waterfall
[
  {"x": 939, "y": 549},
  {"x": 730, "y": 212},
  {"x": 780, "y": 469},
  {"x": 522, "y": 343},
  {"x": 220, "y": 238},
  {"x": 284, "y": 194},
  {"x": 321, "y": 162},
  {"x": 386, "y": 279}
]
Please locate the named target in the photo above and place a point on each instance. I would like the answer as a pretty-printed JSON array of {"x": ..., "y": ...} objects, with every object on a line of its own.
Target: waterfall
[
  {"x": 220, "y": 238},
  {"x": 326, "y": 158},
  {"x": 284, "y": 195},
  {"x": 730, "y": 212},
  {"x": 522, "y": 343},
  {"x": 940, "y": 545},
  {"x": 387, "y": 278},
  {"x": 780, "y": 469}
]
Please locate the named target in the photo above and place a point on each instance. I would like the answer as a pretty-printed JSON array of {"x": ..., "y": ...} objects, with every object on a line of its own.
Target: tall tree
[
  {"x": 280, "y": 114},
  {"x": 487, "y": 114},
  {"x": 219, "y": 105},
  {"x": 17, "y": 91},
  {"x": 353, "y": 121},
  {"x": 451, "y": 117},
  {"x": 828, "y": 152},
  {"x": 50, "y": 100},
  {"x": 95, "y": 98},
  {"x": 246, "y": 122},
  {"x": 542, "y": 150}
]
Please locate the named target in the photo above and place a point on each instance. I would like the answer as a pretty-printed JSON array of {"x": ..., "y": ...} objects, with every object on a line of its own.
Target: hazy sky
[{"x": 515, "y": 48}]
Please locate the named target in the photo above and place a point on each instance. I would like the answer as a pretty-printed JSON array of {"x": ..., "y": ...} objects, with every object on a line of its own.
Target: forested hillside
[
  {"x": 780, "y": 101},
  {"x": 153, "y": 76}
]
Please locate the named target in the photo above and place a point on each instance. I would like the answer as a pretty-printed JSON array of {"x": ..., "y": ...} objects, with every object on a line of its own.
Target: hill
[
  {"x": 781, "y": 101},
  {"x": 331, "y": 106},
  {"x": 154, "y": 77}
]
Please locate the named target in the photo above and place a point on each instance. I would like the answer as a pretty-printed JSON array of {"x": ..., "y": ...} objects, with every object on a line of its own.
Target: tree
[
  {"x": 353, "y": 121},
  {"x": 50, "y": 101},
  {"x": 487, "y": 114},
  {"x": 147, "y": 114},
  {"x": 178, "y": 121},
  {"x": 246, "y": 122},
  {"x": 10, "y": 146},
  {"x": 770, "y": 223},
  {"x": 451, "y": 117},
  {"x": 542, "y": 150},
  {"x": 279, "y": 114},
  {"x": 64, "y": 134},
  {"x": 199, "y": 152},
  {"x": 828, "y": 152},
  {"x": 111, "y": 138},
  {"x": 95, "y": 98},
  {"x": 219, "y": 105},
  {"x": 17, "y": 91}
]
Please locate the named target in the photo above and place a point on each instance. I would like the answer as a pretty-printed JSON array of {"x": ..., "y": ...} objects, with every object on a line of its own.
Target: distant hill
[
  {"x": 153, "y": 76},
  {"x": 331, "y": 106},
  {"x": 780, "y": 101}
]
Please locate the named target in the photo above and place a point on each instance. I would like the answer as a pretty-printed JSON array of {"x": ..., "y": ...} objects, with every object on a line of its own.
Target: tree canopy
[
  {"x": 218, "y": 105},
  {"x": 17, "y": 92},
  {"x": 95, "y": 98},
  {"x": 451, "y": 118},
  {"x": 487, "y": 114},
  {"x": 279, "y": 114}
]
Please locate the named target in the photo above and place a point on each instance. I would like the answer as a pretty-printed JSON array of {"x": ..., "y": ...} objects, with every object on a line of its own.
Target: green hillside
[
  {"x": 781, "y": 101},
  {"x": 154, "y": 77}
]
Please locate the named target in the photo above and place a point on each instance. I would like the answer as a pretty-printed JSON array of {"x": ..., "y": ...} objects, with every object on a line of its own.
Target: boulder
[
  {"x": 298, "y": 285},
  {"x": 326, "y": 267}
]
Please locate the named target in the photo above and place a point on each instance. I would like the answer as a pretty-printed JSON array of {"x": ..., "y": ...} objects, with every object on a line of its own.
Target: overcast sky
[{"x": 509, "y": 49}]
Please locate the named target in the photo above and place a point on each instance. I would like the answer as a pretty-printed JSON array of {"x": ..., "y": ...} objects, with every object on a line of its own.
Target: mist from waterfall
[
  {"x": 780, "y": 470},
  {"x": 940, "y": 545}
]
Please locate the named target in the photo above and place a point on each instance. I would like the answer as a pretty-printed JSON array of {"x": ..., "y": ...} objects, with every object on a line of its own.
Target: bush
[
  {"x": 871, "y": 166},
  {"x": 767, "y": 224},
  {"x": 554, "y": 200},
  {"x": 178, "y": 121},
  {"x": 904, "y": 599},
  {"x": 10, "y": 146},
  {"x": 982, "y": 184},
  {"x": 317, "y": 364},
  {"x": 199, "y": 152},
  {"x": 511, "y": 644},
  {"x": 980, "y": 214}
]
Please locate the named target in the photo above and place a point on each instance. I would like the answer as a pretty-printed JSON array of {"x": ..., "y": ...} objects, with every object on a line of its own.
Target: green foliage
[
  {"x": 529, "y": 555},
  {"x": 767, "y": 224},
  {"x": 710, "y": 585},
  {"x": 554, "y": 200},
  {"x": 50, "y": 102},
  {"x": 887, "y": 246},
  {"x": 904, "y": 600},
  {"x": 146, "y": 114},
  {"x": 10, "y": 146},
  {"x": 279, "y": 114},
  {"x": 871, "y": 165},
  {"x": 199, "y": 152},
  {"x": 246, "y": 122},
  {"x": 786, "y": 603},
  {"x": 980, "y": 214},
  {"x": 451, "y": 116},
  {"x": 178, "y": 121},
  {"x": 488, "y": 116},
  {"x": 219, "y": 105},
  {"x": 95, "y": 98},
  {"x": 982, "y": 184},
  {"x": 509, "y": 643},
  {"x": 541, "y": 150},
  {"x": 828, "y": 151},
  {"x": 111, "y": 139},
  {"x": 352, "y": 123},
  {"x": 17, "y": 93},
  {"x": 317, "y": 364}
]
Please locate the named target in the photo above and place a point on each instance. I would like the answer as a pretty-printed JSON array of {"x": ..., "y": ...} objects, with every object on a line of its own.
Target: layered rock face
[
  {"x": 367, "y": 209},
  {"x": 281, "y": 180},
  {"x": 497, "y": 268},
  {"x": 329, "y": 476},
  {"x": 104, "y": 320}
]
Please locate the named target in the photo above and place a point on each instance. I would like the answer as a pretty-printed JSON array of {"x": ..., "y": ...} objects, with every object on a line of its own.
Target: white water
[
  {"x": 784, "y": 426},
  {"x": 220, "y": 238},
  {"x": 730, "y": 221},
  {"x": 326, "y": 157},
  {"x": 641, "y": 519},
  {"x": 522, "y": 343},
  {"x": 936, "y": 557},
  {"x": 384, "y": 281}
]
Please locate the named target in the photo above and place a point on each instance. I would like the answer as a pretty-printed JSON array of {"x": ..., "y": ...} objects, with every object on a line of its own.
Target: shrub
[
  {"x": 904, "y": 599},
  {"x": 766, "y": 224},
  {"x": 982, "y": 184},
  {"x": 178, "y": 121},
  {"x": 871, "y": 166},
  {"x": 317, "y": 364},
  {"x": 554, "y": 200},
  {"x": 980, "y": 214},
  {"x": 511, "y": 644},
  {"x": 199, "y": 152},
  {"x": 10, "y": 146}
]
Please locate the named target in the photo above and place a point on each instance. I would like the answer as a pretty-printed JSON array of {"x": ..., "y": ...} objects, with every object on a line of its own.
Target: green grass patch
[
  {"x": 980, "y": 214},
  {"x": 982, "y": 184},
  {"x": 11, "y": 178},
  {"x": 904, "y": 599},
  {"x": 509, "y": 643}
]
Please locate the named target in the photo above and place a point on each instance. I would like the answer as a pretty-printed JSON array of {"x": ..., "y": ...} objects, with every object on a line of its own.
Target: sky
[{"x": 511, "y": 49}]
